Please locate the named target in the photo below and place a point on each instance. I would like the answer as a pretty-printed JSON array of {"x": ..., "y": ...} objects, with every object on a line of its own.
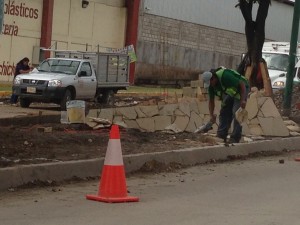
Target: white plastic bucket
[{"x": 76, "y": 111}]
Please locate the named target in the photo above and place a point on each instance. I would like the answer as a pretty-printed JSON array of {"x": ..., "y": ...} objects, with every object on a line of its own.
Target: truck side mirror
[{"x": 82, "y": 74}]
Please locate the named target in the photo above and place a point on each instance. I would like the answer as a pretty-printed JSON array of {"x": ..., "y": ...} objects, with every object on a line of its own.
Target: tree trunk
[{"x": 255, "y": 35}]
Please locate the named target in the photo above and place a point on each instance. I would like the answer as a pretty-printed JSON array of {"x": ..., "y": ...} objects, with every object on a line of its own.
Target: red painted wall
[
  {"x": 132, "y": 29},
  {"x": 46, "y": 29}
]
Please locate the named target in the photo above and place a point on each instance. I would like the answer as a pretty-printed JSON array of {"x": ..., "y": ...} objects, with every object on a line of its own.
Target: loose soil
[
  {"x": 26, "y": 145},
  {"x": 23, "y": 144}
]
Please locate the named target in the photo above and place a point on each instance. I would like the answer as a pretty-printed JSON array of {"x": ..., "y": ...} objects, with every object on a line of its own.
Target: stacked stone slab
[
  {"x": 188, "y": 115},
  {"x": 264, "y": 118},
  {"x": 196, "y": 90}
]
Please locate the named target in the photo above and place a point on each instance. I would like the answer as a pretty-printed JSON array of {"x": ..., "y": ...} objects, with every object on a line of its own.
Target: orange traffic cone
[{"x": 112, "y": 187}]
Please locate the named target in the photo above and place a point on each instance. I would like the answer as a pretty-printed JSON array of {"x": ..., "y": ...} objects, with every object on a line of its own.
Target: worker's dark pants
[
  {"x": 14, "y": 99},
  {"x": 227, "y": 113}
]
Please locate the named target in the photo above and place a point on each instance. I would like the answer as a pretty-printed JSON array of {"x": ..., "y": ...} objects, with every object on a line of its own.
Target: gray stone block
[
  {"x": 107, "y": 114},
  {"x": 273, "y": 127},
  {"x": 146, "y": 124},
  {"x": 167, "y": 110},
  {"x": 139, "y": 112},
  {"x": 150, "y": 111},
  {"x": 131, "y": 124},
  {"x": 203, "y": 107},
  {"x": 161, "y": 122},
  {"x": 195, "y": 122},
  {"x": 127, "y": 112},
  {"x": 182, "y": 122},
  {"x": 185, "y": 108}
]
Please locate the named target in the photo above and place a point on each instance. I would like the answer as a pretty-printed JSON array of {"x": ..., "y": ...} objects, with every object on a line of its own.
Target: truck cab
[{"x": 57, "y": 80}]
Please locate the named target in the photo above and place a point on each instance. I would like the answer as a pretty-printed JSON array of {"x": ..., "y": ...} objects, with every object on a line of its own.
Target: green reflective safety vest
[{"x": 231, "y": 91}]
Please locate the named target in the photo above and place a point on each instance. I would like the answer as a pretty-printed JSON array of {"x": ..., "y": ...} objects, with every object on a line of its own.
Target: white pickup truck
[
  {"x": 74, "y": 75},
  {"x": 276, "y": 54}
]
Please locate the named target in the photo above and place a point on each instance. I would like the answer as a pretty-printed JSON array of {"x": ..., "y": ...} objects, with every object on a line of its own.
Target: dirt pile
[{"x": 26, "y": 145}]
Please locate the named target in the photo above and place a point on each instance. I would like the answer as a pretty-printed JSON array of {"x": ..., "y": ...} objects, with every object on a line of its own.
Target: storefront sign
[
  {"x": 6, "y": 69},
  {"x": 20, "y": 10}
]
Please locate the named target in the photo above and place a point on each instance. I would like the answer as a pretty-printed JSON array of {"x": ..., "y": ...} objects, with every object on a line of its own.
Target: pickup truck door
[{"x": 87, "y": 81}]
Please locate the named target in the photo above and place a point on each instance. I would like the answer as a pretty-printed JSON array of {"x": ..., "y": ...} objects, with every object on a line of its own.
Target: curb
[{"x": 59, "y": 171}]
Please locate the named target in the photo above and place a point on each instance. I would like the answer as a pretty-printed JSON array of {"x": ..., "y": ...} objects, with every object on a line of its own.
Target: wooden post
[
  {"x": 265, "y": 76},
  {"x": 266, "y": 79}
]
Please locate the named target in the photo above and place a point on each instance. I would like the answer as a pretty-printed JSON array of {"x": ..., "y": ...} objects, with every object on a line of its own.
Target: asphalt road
[{"x": 256, "y": 191}]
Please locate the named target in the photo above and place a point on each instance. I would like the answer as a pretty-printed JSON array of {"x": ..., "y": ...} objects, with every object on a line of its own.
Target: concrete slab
[
  {"x": 189, "y": 92},
  {"x": 174, "y": 128},
  {"x": 167, "y": 110},
  {"x": 150, "y": 111},
  {"x": 139, "y": 112},
  {"x": 203, "y": 107},
  {"x": 127, "y": 112},
  {"x": 195, "y": 122},
  {"x": 182, "y": 122},
  {"x": 194, "y": 107},
  {"x": 118, "y": 119},
  {"x": 293, "y": 128},
  {"x": 178, "y": 112},
  {"x": 255, "y": 130},
  {"x": 246, "y": 130},
  {"x": 252, "y": 108},
  {"x": 197, "y": 83},
  {"x": 131, "y": 124},
  {"x": 261, "y": 101},
  {"x": 161, "y": 122},
  {"x": 107, "y": 114},
  {"x": 253, "y": 121},
  {"x": 93, "y": 113},
  {"x": 269, "y": 109},
  {"x": 273, "y": 127},
  {"x": 185, "y": 108},
  {"x": 146, "y": 124}
]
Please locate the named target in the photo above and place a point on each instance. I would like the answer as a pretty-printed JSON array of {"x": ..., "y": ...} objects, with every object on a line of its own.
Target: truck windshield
[
  {"x": 276, "y": 61},
  {"x": 59, "y": 66}
]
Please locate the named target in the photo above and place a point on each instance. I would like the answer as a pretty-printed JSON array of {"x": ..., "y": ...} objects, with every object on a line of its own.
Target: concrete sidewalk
[{"x": 20, "y": 175}]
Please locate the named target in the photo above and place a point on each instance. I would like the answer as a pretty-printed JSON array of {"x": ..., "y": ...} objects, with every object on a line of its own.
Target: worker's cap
[{"x": 206, "y": 76}]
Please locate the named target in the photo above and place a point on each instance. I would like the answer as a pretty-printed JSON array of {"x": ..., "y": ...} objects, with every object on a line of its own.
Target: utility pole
[
  {"x": 293, "y": 50},
  {"x": 1, "y": 14}
]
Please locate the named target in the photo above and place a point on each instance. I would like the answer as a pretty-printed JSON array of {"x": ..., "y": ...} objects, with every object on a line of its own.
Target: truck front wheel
[
  {"x": 67, "y": 97},
  {"x": 24, "y": 102}
]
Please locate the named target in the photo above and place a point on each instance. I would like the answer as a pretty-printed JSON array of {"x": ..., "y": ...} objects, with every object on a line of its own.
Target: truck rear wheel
[
  {"x": 24, "y": 102},
  {"x": 67, "y": 97},
  {"x": 108, "y": 98}
]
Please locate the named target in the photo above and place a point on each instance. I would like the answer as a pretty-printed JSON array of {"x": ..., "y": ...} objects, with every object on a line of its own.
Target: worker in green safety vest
[{"x": 232, "y": 88}]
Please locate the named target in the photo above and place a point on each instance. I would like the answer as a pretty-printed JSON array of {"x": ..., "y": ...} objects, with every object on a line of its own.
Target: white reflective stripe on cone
[{"x": 113, "y": 155}]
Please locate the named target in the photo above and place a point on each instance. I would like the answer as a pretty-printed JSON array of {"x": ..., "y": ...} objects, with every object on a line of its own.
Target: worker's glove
[{"x": 241, "y": 115}]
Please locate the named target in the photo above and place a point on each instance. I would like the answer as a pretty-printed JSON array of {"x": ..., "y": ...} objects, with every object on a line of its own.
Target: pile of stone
[
  {"x": 196, "y": 90},
  {"x": 190, "y": 113}
]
